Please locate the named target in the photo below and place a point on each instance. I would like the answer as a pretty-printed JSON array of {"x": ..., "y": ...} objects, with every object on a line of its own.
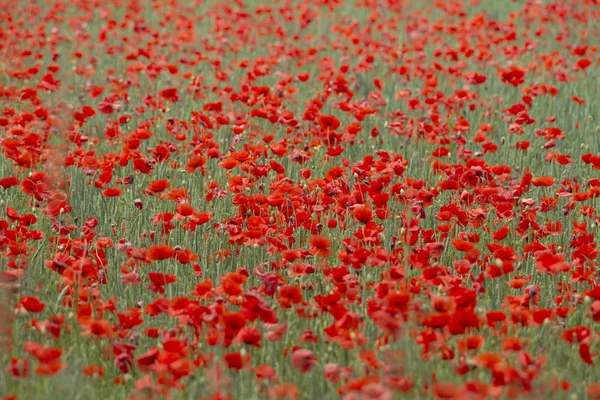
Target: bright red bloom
[
  {"x": 159, "y": 280},
  {"x": 169, "y": 94},
  {"x": 235, "y": 360},
  {"x": 32, "y": 304},
  {"x": 42, "y": 353},
  {"x": 9, "y": 182},
  {"x": 329, "y": 122},
  {"x": 583, "y": 63},
  {"x": 111, "y": 192},
  {"x": 303, "y": 360},
  {"x": 543, "y": 181},
  {"x": 320, "y": 246},
  {"x": 363, "y": 214},
  {"x": 160, "y": 252},
  {"x": 446, "y": 390}
]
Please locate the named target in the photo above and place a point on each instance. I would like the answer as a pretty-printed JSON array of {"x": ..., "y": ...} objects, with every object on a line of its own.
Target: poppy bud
[{"x": 587, "y": 300}]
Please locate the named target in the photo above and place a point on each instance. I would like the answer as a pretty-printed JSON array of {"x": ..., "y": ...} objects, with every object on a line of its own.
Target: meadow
[{"x": 361, "y": 199}]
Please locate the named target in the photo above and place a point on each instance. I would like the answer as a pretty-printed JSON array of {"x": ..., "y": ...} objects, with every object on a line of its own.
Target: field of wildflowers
[{"x": 291, "y": 199}]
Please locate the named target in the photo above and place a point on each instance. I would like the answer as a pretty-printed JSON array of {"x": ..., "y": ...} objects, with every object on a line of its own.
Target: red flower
[
  {"x": 303, "y": 360},
  {"x": 111, "y": 192},
  {"x": 328, "y": 122},
  {"x": 159, "y": 280},
  {"x": 42, "y": 353},
  {"x": 446, "y": 390},
  {"x": 100, "y": 328},
  {"x": 593, "y": 391},
  {"x": 169, "y": 94},
  {"x": 363, "y": 214},
  {"x": 235, "y": 360},
  {"x": 32, "y": 304},
  {"x": 543, "y": 181},
  {"x": 320, "y": 246},
  {"x": 9, "y": 182},
  {"x": 159, "y": 252},
  {"x": 157, "y": 186},
  {"x": 250, "y": 336},
  {"x": 265, "y": 371},
  {"x": 463, "y": 245},
  {"x": 501, "y": 233},
  {"x": 291, "y": 294},
  {"x": 584, "y": 352},
  {"x": 93, "y": 370},
  {"x": 583, "y": 63}
]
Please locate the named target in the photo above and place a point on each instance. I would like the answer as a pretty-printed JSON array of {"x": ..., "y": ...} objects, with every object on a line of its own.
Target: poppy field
[{"x": 355, "y": 199}]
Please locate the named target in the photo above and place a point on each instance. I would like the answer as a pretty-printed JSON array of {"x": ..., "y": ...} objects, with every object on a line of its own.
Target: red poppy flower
[
  {"x": 9, "y": 182},
  {"x": 463, "y": 245},
  {"x": 100, "y": 328},
  {"x": 593, "y": 391},
  {"x": 42, "y": 353},
  {"x": 265, "y": 371},
  {"x": 250, "y": 336},
  {"x": 290, "y": 294},
  {"x": 33, "y": 304},
  {"x": 329, "y": 122},
  {"x": 583, "y": 63},
  {"x": 303, "y": 360},
  {"x": 446, "y": 390},
  {"x": 159, "y": 252},
  {"x": 501, "y": 233},
  {"x": 235, "y": 360},
  {"x": 363, "y": 214},
  {"x": 543, "y": 181},
  {"x": 160, "y": 279},
  {"x": 320, "y": 246},
  {"x": 111, "y": 192},
  {"x": 169, "y": 94},
  {"x": 50, "y": 368}
]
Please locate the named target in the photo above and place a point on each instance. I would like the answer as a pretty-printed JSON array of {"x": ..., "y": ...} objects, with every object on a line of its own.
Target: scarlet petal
[
  {"x": 160, "y": 252},
  {"x": 51, "y": 368},
  {"x": 160, "y": 279},
  {"x": 543, "y": 181},
  {"x": 320, "y": 246},
  {"x": 9, "y": 182},
  {"x": 462, "y": 245},
  {"x": 584, "y": 352},
  {"x": 445, "y": 390},
  {"x": 111, "y": 192},
  {"x": 303, "y": 360},
  {"x": 363, "y": 214},
  {"x": 234, "y": 360},
  {"x": 33, "y": 304}
]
